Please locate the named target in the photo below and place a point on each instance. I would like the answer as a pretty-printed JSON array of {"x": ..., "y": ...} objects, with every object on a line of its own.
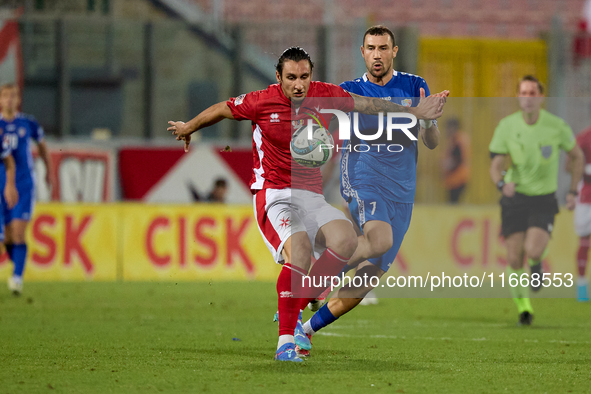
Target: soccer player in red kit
[
  {"x": 583, "y": 215},
  {"x": 294, "y": 225}
]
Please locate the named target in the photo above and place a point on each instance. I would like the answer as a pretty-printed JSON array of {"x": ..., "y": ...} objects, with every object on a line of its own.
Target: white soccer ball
[{"x": 311, "y": 152}]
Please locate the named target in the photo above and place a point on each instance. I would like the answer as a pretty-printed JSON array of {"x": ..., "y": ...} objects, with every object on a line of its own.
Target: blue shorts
[
  {"x": 23, "y": 210},
  {"x": 369, "y": 205}
]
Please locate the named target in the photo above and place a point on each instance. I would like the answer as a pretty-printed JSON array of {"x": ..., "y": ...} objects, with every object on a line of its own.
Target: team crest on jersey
[
  {"x": 297, "y": 123},
  {"x": 547, "y": 151},
  {"x": 239, "y": 99},
  {"x": 406, "y": 102},
  {"x": 22, "y": 132}
]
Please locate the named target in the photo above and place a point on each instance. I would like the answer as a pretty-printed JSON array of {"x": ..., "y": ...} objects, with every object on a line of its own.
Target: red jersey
[
  {"x": 274, "y": 122},
  {"x": 584, "y": 141}
]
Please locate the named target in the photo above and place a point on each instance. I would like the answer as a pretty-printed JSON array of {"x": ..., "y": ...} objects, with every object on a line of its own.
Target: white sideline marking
[{"x": 334, "y": 334}]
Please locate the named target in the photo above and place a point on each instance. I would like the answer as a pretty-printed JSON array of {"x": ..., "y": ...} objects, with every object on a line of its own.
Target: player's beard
[{"x": 379, "y": 74}]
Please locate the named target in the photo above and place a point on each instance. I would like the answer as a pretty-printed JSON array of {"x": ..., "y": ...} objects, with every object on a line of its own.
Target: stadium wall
[{"x": 204, "y": 242}]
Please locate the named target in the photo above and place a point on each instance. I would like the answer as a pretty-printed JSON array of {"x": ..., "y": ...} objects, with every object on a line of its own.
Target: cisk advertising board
[{"x": 202, "y": 242}]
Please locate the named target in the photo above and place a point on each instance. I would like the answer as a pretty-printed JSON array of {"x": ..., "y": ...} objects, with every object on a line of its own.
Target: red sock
[
  {"x": 287, "y": 305},
  {"x": 582, "y": 255},
  {"x": 329, "y": 264}
]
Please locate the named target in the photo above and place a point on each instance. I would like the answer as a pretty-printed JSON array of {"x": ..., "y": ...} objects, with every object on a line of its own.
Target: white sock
[
  {"x": 582, "y": 281},
  {"x": 308, "y": 328},
  {"x": 283, "y": 339},
  {"x": 17, "y": 279}
]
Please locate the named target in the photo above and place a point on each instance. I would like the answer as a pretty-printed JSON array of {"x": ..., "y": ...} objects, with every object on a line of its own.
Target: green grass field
[{"x": 167, "y": 337}]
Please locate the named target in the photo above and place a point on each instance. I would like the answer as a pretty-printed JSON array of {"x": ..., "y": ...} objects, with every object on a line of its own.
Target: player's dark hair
[
  {"x": 379, "y": 30},
  {"x": 293, "y": 53},
  {"x": 531, "y": 78}
]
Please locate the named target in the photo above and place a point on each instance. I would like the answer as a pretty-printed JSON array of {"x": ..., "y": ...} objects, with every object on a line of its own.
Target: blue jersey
[
  {"x": 18, "y": 133},
  {"x": 391, "y": 173}
]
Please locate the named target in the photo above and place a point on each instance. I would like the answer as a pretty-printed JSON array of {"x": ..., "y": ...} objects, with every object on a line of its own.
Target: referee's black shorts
[{"x": 520, "y": 212}]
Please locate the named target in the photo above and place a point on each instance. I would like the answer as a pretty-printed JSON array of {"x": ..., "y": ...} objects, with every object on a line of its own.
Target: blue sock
[
  {"x": 18, "y": 255},
  {"x": 322, "y": 318}
]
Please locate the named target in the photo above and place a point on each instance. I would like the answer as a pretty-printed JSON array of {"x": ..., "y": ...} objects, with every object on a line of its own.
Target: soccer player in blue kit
[
  {"x": 378, "y": 182},
  {"x": 18, "y": 129},
  {"x": 10, "y": 195}
]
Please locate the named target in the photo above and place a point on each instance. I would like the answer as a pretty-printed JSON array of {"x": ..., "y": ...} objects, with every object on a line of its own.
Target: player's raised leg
[
  {"x": 347, "y": 298},
  {"x": 377, "y": 242},
  {"x": 374, "y": 242},
  {"x": 340, "y": 240}
]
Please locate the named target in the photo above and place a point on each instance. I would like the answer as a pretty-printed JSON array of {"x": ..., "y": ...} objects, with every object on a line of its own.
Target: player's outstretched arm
[
  {"x": 576, "y": 159},
  {"x": 429, "y": 108},
  {"x": 209, "y": 117},
  {"x": 10, "y": 192}
]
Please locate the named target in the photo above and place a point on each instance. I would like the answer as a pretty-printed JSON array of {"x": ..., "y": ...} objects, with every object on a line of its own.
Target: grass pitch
[{"x": 219, "y": 337}]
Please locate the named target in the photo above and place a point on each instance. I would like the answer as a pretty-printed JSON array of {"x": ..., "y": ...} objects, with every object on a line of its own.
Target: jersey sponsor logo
[
  {"x": 285, "y": 294},
  {"x": 22, "y": 132},
  {"x": 389, "y": 98},
  {"x": 274, "y": 118},
  {"x": 239, "y": 100},
  {"x": 546, "y": 151}
]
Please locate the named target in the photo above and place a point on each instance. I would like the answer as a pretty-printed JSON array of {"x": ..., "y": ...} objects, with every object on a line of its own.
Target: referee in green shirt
[{"x": 531, "y": 140}]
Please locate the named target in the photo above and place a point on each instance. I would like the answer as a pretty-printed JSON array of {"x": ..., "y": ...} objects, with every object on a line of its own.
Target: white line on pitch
[{"x": 334, "y": 334}]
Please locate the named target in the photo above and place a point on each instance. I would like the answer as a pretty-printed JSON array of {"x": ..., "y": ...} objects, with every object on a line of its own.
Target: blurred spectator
[
  {"x": 456, "y": 160},
  {"x": 581, "y": 43},
  {"x": 218, "y": 194}
]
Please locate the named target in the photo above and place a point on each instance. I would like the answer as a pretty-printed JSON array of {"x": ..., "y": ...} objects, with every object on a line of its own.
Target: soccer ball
[{"x": 311, "y": 153}]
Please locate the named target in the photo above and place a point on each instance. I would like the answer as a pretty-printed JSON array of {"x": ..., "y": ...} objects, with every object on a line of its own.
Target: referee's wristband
[{"x": 500, "y": 185}]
